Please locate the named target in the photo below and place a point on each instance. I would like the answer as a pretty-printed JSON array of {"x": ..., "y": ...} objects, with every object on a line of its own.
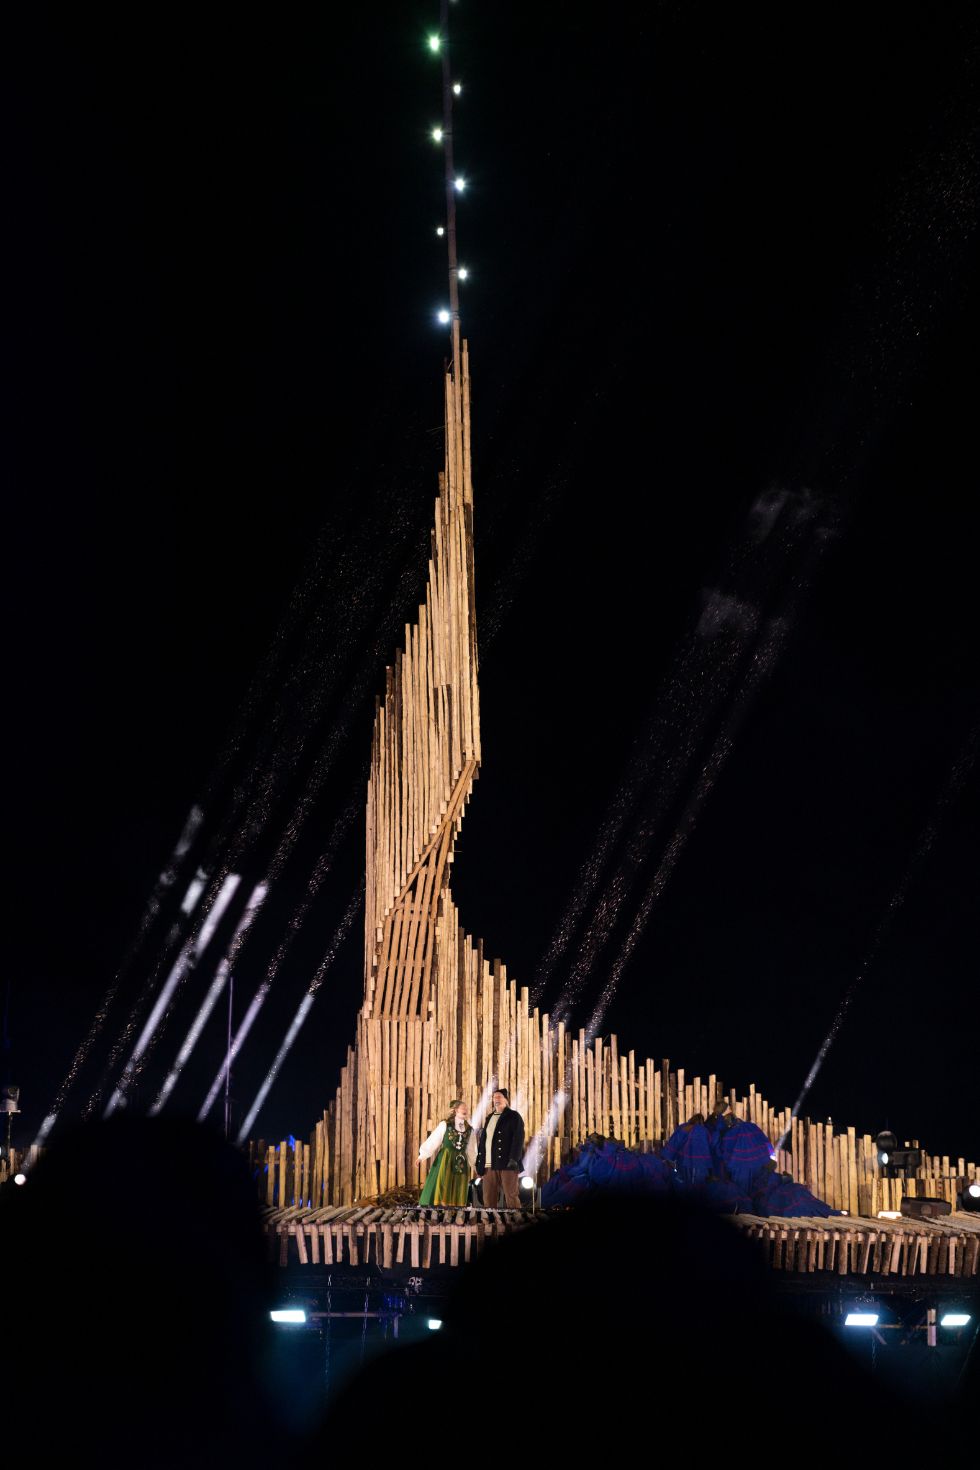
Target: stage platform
[{"x": 423, "y": 1240}]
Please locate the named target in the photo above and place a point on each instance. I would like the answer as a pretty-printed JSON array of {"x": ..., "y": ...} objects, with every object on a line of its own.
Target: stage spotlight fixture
[
  {"x": 885, "y": 1144},
  {"x": 435, "y": 43},
  {"x": 437, "y": 135},
  {"x": 20, "y": 1178},
  {"x": 457, "y": 88},
  {"x": 894, "y": 1161},
  {"x": 955, "y": 1319},
  {"x": 969, "y": 1195},
  {"x": 294, "y": 1315},
  {"x": 463, "y": 273},
  {"x": 434, "y": 1324},
  {"x": 444, "y": 318},
  {"x": 527, "y": 1182},
  {"x": 459, "y": 185},
  {"x": 861, "y": 1319},
  {"x": 440, "y": 230}
]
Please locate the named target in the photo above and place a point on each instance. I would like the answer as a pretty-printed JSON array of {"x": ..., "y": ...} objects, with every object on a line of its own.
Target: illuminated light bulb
[
  {"x": 457, "y": 87},
  {"x": 974, "y": 1191},
  {"x": 527, "y": 1182},
  {"x": 463, "y": 273},
  {"x": 440, "y": 230},
  {"x": 443, "y": 317},
  {"x": 437, "y": 135},
  {"x": 435, "y": 43},
  {"x": 20, "y": 1178},
  {"x": 459, "y": 185}
]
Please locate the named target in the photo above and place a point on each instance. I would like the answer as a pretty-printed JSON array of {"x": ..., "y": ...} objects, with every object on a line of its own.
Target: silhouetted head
[{"x": 142, "y": 1295}]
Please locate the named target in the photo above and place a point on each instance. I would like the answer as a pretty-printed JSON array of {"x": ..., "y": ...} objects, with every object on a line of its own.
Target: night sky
[{"x": 723, "y": 322}]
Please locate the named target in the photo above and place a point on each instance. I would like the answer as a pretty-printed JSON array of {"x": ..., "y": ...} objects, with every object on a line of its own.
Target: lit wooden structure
[{"x": 440, "y": 1020}]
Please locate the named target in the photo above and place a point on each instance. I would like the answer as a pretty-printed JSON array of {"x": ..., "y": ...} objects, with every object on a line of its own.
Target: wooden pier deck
[{"x": 842, "y": 1245}]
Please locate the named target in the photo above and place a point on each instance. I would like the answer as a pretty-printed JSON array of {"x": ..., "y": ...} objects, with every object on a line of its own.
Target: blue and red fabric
[
  {"x": 744, "y": 1153},
  {"x": 784, "y": 1197},
  {"x": 689, "y": 1149}
]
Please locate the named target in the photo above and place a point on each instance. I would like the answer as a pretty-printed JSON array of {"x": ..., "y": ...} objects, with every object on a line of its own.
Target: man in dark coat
[{"x": 500, "y": 1153}]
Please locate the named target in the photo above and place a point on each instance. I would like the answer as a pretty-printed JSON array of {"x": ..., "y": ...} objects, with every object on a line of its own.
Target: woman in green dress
[{"x": 453, "y": 1142}]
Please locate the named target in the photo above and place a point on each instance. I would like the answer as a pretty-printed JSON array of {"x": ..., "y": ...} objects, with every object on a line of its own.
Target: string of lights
[{"x": 438, "y": 44}]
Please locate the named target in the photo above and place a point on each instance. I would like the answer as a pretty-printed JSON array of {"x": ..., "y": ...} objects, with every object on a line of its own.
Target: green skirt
[{"x": 443, "y": 1186}]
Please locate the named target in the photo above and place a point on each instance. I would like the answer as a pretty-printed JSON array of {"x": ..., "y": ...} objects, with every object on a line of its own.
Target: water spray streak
[
  {"x": 685, "y": 689},
  {"x": 323, "y": 867},
  {"x": 164, "y": 883},
  {"x": 962, "y": 767},
  {"x": 763, "y": 661},
  {"x": 305, "y": 1006},
  {"x": 126, "y": 1034},
  {"x": 189, "y": 955},
  {"x": 217, "y": 985},
  {"x": 538, "y": 1144},
  {"x": 777, "y": 525}
]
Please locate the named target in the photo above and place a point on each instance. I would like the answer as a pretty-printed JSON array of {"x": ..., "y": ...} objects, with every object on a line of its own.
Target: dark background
[{"x": 717, "y": 254}]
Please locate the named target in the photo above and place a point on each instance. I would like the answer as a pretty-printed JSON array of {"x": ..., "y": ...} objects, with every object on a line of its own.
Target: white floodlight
[
  {"x": 861, "y": 1319},
  {"x": 440, "y": 229},
  {"x": 20, "y": 1178},
  {"x": 463, "y": 273},
  {"x": 434, "y": 1323},
  {"x": 527, "y": 1182},
  {"x": 437, "y": 135},
  {"x": 457, "y": 88},
  {"x": 955, "y": 1319},
  {"x": 973, "y": 1190},
  {"x": 443, "y": 317},
  {"x": 435, "y": 43},
  {"x": 289, "y": 1314},
  {"x": 459, "y": 185}
]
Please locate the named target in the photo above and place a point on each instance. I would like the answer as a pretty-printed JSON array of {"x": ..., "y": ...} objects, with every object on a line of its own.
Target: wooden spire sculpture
[{"x": 417, "y": 1034}]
